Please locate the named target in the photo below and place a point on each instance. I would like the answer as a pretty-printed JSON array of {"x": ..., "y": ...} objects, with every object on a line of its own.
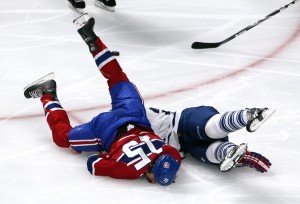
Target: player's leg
[
  {"x": 58, "y": 121},
  {"x": 205, "y": 151},
  {"x": 220, "y": 125},
  {"x": 192, "y": 123},
  {"x": 105, "y": 60},
  {"x": 107, "y": 63},
  {"x": 228, "y": 155},
  {"x": 126, "y": 100},
  {"x": 213, "y": 152},
  {"x": 217, "y": 151},
  {"x": 191, "y": 128},
  {"x": 203, "y": 146}
]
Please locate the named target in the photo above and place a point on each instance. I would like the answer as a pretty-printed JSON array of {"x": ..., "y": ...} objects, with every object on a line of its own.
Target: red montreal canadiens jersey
[{"x": 130, "y": 155}]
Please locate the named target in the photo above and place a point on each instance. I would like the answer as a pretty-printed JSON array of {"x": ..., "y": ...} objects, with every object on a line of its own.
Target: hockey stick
[{"x": 203, "y": 45}]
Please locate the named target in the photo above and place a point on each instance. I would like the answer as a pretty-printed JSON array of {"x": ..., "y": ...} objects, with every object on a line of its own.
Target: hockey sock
[
  {"x": 50, "y": 104},
  {"x": 233, "y": 121},
  {"x": 222, "y": 150},
  {"x": 108, "y": 65},
  {"x": 220, "y": 125},
  {"x": 57, "y": 120}
]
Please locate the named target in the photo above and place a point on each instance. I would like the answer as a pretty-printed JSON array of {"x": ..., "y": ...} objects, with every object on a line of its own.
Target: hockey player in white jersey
[{"x": 203, "y": 132}]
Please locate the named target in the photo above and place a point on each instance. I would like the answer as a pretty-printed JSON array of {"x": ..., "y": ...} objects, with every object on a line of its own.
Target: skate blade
[
  {"x": 81, "y": 20},
  {"x": 266, "y": 115},
  {"x": 101, "y": 5},
  {"x": 47, "y": 77},
  {"x": 229, "y": 163},
  {"x": 81, "y": 11}
]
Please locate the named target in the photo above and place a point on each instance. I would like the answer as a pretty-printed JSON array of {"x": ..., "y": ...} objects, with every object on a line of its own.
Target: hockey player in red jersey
[{"x": 124, "y": 133}]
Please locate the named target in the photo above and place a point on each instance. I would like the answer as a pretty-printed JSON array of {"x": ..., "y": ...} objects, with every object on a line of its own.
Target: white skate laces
[
  {"x": 35, "y": 89},
  {"x": 37, "y": 93}
]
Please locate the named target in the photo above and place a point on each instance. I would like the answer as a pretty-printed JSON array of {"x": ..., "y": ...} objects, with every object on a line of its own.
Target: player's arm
[
  {"x": 100, "y": 166},
  {"x": 160, "y": 120}
]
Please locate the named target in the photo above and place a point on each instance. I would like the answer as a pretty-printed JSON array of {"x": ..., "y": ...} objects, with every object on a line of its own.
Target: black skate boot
[
  {"x": 233, "y": 157},
  {"x": 42, "y": 86},
  {"x": 256, "y": 117},
  {"x": 108, "y": 5},
  {"x": 85, "y": 27},
  {"x": 77, "y": 5}
]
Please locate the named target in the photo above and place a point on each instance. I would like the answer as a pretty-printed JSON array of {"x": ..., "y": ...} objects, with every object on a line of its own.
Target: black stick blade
[
  {"x": 115, "y": 53},
  {"x": 202, "y": 45}
]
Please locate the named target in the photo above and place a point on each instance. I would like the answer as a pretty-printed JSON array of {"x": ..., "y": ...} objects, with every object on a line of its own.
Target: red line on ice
[{"x": 239, "y": 71}]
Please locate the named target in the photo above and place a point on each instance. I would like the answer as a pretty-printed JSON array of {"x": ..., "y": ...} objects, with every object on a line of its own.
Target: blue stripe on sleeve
[{"x": 90, "y": 162}]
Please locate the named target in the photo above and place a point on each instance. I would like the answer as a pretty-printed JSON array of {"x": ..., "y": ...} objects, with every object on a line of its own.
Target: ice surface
[{"x": 259, "y": 68}]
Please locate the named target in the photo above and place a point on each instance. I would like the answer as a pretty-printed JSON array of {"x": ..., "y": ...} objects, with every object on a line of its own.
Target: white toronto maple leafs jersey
[{"x": 164, "y": 124}]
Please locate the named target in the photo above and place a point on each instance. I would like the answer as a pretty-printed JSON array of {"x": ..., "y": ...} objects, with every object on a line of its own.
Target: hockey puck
[{"x": 115, "y": 53}]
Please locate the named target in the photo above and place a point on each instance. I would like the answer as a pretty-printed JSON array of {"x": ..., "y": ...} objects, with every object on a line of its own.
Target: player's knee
[
  {"x": 60, "y": 136},
  {"x": 212, "y": 128},
  {"x": 113, "y": 72},
  {"x": 61, "y": 142}
]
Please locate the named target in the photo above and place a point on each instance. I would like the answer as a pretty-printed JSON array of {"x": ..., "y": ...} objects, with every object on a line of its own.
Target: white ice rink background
[{"x": 259, "y": 68}]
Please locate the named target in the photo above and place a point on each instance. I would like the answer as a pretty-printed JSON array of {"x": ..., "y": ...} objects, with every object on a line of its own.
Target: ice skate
[
  {"x": 42, "y": 86},
  {"x": 77, "y": 5},
  {"x": 233, "y": 157},
  {"x": 85, "y": 27},
  {"x": 257, "y": 116},
  {"x": 108, "y": 5}
]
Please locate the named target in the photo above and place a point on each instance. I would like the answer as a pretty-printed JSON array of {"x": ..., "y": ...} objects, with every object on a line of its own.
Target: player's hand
[{"x": 255, "y": 161}]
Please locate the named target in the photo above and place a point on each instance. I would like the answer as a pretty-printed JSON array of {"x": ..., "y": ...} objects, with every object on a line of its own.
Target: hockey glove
[{"x": 255, "y": 161}]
